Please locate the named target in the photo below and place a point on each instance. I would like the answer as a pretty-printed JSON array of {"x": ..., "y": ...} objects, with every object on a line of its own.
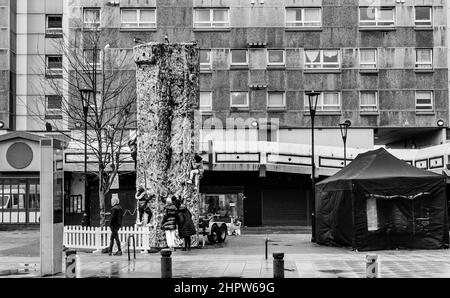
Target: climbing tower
[{"x": 167, "y": 131}]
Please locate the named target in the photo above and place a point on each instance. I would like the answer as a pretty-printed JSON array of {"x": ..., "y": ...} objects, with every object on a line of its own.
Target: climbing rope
[{"x": 131, "y": 213}]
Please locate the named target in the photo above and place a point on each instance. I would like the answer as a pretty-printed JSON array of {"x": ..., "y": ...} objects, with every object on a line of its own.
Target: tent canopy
[
  {"x": 381, "y": 202},
  {"x": 372, "y": 170}
]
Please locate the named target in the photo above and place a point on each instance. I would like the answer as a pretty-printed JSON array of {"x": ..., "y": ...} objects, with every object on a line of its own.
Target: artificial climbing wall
[{"x": 167, "y": 132}]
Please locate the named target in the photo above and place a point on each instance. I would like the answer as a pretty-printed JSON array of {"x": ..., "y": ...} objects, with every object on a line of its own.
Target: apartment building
[
  {"x": 383, "y": 65},
  {"x": 30, "y": 32}
]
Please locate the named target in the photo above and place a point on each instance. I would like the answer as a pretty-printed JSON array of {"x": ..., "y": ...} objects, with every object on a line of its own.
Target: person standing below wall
[
  {"x": 186, "y": 226},
  {"x": 115, "y": 225},
  {"x": 169, "y": 223}
]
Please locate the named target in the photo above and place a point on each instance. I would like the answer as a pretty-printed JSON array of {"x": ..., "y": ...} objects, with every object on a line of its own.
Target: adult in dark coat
[
  {"x": 169, "y": 223},
  {"x": 115, "y": 224},
  {"x": 186, "y": 227}
]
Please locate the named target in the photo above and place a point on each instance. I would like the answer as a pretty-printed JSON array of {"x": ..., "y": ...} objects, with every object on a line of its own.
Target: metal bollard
[
  {"x": 71, "y": 263},
  {"x": 278, "y": 265},
  {"x": 372, "y": 266},
  {"x": 267, "y": 244},
  {"x": 166, "y": 263}
]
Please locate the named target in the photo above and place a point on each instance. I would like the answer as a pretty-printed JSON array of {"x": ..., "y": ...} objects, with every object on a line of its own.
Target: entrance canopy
[{"x": 381, "y": 202}]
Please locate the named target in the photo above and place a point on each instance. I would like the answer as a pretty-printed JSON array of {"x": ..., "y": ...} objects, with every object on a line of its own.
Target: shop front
[
  {"x": 19, "y": 179},
  {"x": 278, "y": 199}
]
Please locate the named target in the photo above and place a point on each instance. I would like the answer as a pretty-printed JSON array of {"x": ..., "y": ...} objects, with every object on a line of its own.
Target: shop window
[{"x": 74, "y": 204}]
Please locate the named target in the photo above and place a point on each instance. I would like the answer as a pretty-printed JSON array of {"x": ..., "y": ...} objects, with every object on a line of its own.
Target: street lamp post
[
  {"x": 85, "y": 100},
  {"x": 344, "y": 130},
  {"x": 312, "y": 100}
]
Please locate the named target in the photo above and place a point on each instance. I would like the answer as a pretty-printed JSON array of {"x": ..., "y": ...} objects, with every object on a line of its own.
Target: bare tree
[{"x": 91, "y": 63}]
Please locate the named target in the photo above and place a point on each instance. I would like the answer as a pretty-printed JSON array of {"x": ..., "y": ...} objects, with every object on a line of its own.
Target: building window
[
  {"x": 239, "y": 57},
  {"x": 138, "y": 18},
  {"x": 54, "y": 25},
  {"x": 368, "y": 58},
  {"x": 211, "y": 18},
  {"x": 423, "y": 16},
  {"x": 275, "y": 57},
  {"x": 424, "y": 58},
  {"x": 303, "y": 17},
  {"x": 239, "y": 99},
  {"x": 322, "y": 59},
  {"x": 74, "y": 204},
  {"x": 327, "y": 102},
  {"x": 91, "y": 17},
  {"x": 96, "y": 105},
  {"x": 205, "y": 101},
  {"x": 368, "y": 101},
  {"x": 276, "y": 100},
  {"x": 424, "y": 101},
  {"x": 53, "y": 105},
  {"x": 53, "y": 65},
  {"x": 205, "y": 60},
  {"x": 376, "y": 16},
  {"x": 89, "y": 57}
]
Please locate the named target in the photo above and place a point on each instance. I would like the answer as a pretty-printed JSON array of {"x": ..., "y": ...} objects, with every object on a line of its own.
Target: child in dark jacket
[{"x": 169, "y": 223}]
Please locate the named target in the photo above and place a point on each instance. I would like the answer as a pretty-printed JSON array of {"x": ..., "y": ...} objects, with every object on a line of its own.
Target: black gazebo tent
[{"x": 381, "y": 202}]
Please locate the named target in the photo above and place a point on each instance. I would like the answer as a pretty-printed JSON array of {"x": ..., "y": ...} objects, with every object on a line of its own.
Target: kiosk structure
[{"x": 52, "y": 224}]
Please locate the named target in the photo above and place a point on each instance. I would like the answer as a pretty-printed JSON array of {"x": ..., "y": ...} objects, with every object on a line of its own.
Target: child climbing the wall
[
  {"x": 197, "y": 170},
  {"x": 143, "y": 204}
]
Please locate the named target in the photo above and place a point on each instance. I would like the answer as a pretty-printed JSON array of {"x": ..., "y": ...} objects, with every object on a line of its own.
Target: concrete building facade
[{"x": 382, "y": 64}]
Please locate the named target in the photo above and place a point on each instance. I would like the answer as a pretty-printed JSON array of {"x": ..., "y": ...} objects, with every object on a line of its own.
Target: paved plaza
[{"x": 240, "y": 256}]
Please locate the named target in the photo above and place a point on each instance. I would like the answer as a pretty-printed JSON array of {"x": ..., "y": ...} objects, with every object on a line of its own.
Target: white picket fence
[{"x": 98, "y": 238}]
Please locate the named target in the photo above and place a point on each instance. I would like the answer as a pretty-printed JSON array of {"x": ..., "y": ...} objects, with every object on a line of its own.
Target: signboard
[
  {"x": 115, "y": 182},
  {"x": 372, "y": 216}
]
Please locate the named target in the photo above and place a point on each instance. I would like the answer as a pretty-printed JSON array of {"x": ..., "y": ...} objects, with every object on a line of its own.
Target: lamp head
[
  {"x": 86, "y": 94},
  {"x": 313, "y": 97},
  {"x": 344, "y": 128}
]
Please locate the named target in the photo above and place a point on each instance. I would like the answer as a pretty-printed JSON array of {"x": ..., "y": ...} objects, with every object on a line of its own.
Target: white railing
[{"x": 98, "y": 238}]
